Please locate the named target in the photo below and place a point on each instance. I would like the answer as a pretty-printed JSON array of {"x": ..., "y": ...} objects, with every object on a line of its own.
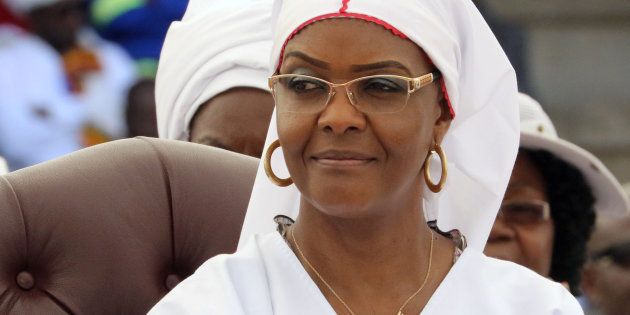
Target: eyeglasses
[
  {"x": 298, "y": 93},
  {"x": 525, "y": 213},
  {"x": 619, "y": 254}
]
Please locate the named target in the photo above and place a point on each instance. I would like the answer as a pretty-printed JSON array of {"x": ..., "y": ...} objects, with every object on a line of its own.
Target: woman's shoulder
[
  {"x": 234, "y": 284},
  {"x": 496, "y": 286}
]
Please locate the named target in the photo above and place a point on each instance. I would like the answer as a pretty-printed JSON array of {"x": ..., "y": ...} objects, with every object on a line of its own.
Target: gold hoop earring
[
  {"x": 282, "y": 182},
  {"x": 436, "y": 188}
]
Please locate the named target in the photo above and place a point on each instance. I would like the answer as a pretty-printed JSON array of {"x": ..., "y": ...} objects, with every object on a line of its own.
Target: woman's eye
[
  {"x": 382, "y": 85},
  {"x": 304, "y": 85}
]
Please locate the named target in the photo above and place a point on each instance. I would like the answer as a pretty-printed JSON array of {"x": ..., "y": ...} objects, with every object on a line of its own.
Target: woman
[
  {"x": 356, "y": 154},
  {"x": 212, "y": 79},
  {"x": 551, "y": 202}
]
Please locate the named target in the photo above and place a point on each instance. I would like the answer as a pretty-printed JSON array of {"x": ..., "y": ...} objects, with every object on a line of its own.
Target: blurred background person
[
  {"x": 550, "y": 205},
  {"x": 606, "y": 276},
  {"x": 99, "y": 73},
  {"x": 140, "y": 112},
  {"x": 140, "y": 28},
  {"x": 40, "y": 119},
  {"x": 212, "y": 78}
]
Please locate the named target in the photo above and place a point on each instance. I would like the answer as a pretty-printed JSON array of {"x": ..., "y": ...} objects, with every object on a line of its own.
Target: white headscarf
[
  {"x": 219, "y": 45},
  {"x": 22, "y": 7},
  {"x": 482, "y": 142}
]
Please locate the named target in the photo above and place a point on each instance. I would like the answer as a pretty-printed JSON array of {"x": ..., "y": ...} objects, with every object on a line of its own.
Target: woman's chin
[{"x": 342, "y": 202}]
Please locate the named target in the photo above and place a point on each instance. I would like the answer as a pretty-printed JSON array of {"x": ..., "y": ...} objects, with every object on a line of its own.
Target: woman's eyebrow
[
  {"x": 379, "y": 65},
  {"x": 316, "y": 62}
]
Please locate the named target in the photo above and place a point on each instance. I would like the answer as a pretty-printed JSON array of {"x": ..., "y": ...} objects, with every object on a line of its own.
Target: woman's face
[
  {"x": 529, "y": 245},
  {"x": 346, "y": 163},
  {"x": 236, "y": 120}
]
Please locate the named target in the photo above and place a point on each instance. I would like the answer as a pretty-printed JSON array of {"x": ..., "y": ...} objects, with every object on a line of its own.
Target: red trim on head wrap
[
  {"x": 343, "y": 13},
  {"x": 442, "y": 85},
  {"x": 446, "y": 97},
  {"x": 364, "y": 17},
  {"x": 344, "y": 6}
]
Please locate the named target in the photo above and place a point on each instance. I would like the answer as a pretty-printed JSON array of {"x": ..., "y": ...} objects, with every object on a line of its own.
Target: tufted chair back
[{"x": 112, "y": 228}]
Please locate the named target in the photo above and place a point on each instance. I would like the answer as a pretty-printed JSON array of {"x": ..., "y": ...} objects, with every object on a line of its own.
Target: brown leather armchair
[{"x": 110, "y": 229}]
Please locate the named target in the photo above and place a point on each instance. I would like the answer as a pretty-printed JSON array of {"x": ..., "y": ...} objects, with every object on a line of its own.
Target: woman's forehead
[{"x": 346, "y": 42}]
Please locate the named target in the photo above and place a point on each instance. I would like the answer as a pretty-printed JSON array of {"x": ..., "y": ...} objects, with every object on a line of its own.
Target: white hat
[
  {"x": 218, "y": 45},
  {"x": 538, "y": 133},
  {"x": 22, "y": 7},
  {"x": 482, "y": 142}
]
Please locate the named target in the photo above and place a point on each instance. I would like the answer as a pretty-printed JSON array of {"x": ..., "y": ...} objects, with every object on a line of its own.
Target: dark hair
[{"x": 572, "y": 209}]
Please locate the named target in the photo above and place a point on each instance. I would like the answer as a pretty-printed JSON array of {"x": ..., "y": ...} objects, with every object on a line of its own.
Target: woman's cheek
[{"x": 294, "y": 130}]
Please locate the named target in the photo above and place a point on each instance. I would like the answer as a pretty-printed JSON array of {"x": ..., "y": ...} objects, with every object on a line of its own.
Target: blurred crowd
[{"x": 77, "y": 73}]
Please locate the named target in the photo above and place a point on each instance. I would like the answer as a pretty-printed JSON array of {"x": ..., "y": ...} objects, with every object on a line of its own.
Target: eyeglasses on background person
[
  {"x": 298, "y": 93},
  {"x": 525, "y": 213}
]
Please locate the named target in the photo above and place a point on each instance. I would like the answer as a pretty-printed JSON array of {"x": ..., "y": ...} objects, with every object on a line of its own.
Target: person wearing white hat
[
  {"x": 372, "y": 97},
  {"x": 211, "y": 83},
  {"x": 552, "y": 199}
]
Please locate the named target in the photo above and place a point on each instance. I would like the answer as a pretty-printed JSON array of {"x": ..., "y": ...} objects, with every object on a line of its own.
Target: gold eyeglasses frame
[{"x": 413, "y": 85}]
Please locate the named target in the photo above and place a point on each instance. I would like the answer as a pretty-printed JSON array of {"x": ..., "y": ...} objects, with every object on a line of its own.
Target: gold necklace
[{"x": 400, "y": 310}]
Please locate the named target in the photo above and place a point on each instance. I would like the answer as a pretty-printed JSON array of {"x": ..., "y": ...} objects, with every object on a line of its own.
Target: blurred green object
[
  {"x": 105, "y": 11},
  {"x": 147, "y": 67}
]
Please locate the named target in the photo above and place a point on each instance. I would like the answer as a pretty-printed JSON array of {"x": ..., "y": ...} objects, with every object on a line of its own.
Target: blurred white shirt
[
  {"x": 39, "y": 118},
  {"x": 105, "y": 93}
]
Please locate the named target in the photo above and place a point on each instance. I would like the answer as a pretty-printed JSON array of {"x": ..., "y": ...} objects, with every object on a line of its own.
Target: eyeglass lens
[
  {"x": 523, "y": 213},
  {"x": 370, "y": 94}
]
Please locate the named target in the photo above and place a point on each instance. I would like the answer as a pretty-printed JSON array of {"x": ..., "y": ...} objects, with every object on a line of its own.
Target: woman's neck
[{"x": 376, "y": 261}]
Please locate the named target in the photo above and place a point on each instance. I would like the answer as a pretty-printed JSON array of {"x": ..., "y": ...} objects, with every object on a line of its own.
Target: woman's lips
[
  {"x": 345, "y": 162},
  {"x": 342, "y": 158}
]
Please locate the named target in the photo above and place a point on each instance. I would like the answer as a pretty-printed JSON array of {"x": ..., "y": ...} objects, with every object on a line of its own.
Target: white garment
[
  {"x": 39, "y": 118},
  {"x": 4, "y": 167},
  {"x": 265, "y": 277},
  {"x": 482, "y": 142},
  {"x": 218, "y": 45},
  {"x": 105, "y": 92}
]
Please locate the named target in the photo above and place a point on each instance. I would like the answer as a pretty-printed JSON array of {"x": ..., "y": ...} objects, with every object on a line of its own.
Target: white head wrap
[
  {"x": 22, "y": 7},
  {"x": 218, "y": 45},
  {"x": 482, "y": 142}
]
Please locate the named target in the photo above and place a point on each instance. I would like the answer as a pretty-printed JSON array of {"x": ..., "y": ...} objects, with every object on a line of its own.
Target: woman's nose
[{"x": 340, "y": 116}]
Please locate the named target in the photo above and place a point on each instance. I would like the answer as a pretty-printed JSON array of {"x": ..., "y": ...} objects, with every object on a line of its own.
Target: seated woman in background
[
  {"x": 550, "y": 205},
  {"x": 371, "y": 97},
  {"x": 212, "y": 78}
]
